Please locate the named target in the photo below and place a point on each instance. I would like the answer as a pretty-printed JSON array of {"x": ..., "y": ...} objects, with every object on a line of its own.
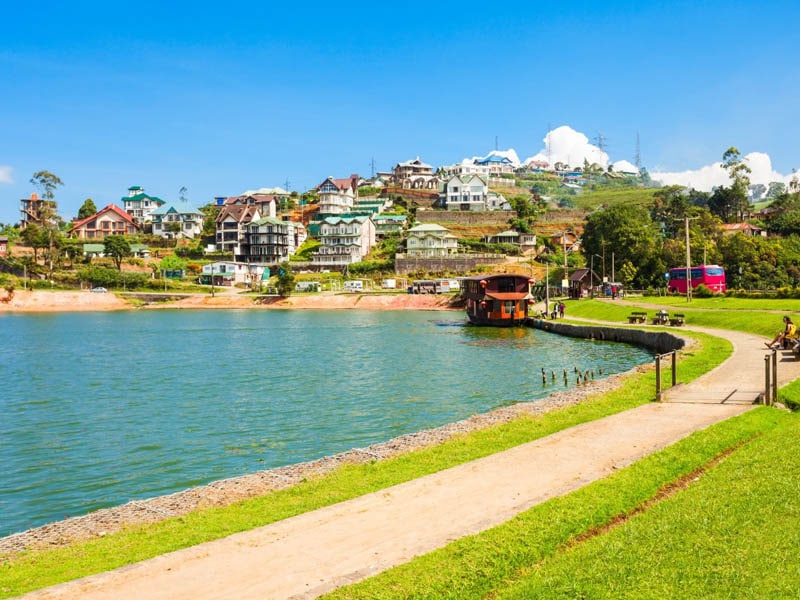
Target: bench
[
  {"x": 637, "y": 317},
  {"x": 660, "y": 319},
  {"x": 677, "y": 319}
]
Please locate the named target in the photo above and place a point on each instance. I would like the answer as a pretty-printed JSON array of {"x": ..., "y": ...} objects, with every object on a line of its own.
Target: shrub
[{"x": 702, "y": 291}]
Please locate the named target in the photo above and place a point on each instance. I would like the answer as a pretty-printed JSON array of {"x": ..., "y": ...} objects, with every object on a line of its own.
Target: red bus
[{"x": 712, "y": 276}]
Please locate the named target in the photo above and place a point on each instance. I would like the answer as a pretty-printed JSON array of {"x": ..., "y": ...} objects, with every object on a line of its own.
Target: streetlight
[{"x": 591, "y": 268}]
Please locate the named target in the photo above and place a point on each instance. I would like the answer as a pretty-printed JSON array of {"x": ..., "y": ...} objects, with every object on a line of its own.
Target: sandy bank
[
  {"x": 28, "y": 301},
  {"x": 40, "y": 301}
]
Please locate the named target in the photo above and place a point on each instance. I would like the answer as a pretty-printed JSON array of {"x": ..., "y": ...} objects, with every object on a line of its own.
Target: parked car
[{"x": 99, "y": 290}]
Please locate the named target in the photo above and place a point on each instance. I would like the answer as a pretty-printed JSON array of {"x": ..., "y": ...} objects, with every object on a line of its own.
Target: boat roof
[{"x": 509, "y": 295}]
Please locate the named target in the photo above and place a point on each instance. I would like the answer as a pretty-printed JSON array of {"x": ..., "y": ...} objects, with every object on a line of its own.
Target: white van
[{"x": 354, "y": 285}]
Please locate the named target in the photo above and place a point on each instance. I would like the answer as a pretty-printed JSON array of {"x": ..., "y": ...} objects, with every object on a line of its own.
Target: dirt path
[{"x": 308, "y": 555}]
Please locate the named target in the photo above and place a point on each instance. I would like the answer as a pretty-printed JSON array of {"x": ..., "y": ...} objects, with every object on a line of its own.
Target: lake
[{"x": 98, "y": 409}]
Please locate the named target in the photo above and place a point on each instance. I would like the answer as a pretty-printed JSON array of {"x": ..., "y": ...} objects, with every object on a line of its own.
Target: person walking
[{"x": 561, "y": 309}]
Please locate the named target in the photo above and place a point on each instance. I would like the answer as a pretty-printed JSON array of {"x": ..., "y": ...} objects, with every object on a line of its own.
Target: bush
[{"x": 702, "y": 291}]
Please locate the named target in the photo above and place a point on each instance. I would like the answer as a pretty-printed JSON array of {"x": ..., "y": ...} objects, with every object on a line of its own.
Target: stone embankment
[{"x": 659, "y": 342}]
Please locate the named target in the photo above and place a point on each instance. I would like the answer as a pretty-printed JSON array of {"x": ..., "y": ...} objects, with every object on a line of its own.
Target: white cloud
[
  {"x": 565, "y": 145},
  {"x": 708, "y": 177},
  {"x": 623, "y": 166},
  {"x": 5, "y": 174}
]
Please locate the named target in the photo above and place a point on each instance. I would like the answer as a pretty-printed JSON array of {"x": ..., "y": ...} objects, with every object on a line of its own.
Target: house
[
  {"x": 337, "y": 196},
  {"x": 581, "y": 282},
  {"x": 466, "y": 192},
  {"x": 111, "y": 220},
  {"x": 526, "y": 241},
  {"x": 231, "y": 226},
  {"x": 495, "y": 201},
  {"x": 3, "y": 246},
  {"x": 744, "y": 228},
  {"x": 230, "y": 273},
  {"x": 177, "y": 221},
  {"x": 139, "y": 205},
  {"x": 414, "y": 174},
  {"x": 344, "y": 240},
  {"x": 566, "y": 240},
  {"x": 31, "y": 209},
  {"x": 496, "y": 164},
  {"x": 465, "y": 167},
  {"x": 430, "y": 240},
  {"x": 388, "y": 224},
  {"x": 270, "y": 240},
  {"x": 267, "y": 203}
]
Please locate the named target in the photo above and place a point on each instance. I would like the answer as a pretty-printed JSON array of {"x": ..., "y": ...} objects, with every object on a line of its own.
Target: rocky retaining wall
[{"x": 660, "y": 342}]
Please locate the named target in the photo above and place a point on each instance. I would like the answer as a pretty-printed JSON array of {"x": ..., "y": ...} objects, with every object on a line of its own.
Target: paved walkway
[{"x": 313, "y": 553}]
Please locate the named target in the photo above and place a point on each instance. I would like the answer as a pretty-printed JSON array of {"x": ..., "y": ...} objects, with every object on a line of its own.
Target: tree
[
  {"x": 285, "y": 283},
  {"x": 628, "y": 231},
  {"x": 117, "y": 247},
  {"x": 87, "y": 209},
  {"x": 776, "y": 188},
  {"x": 47, "y": 183},
  {"x": 31, "y": 236},
  {"x": 732, "y": 202},
  {"x": 757, "y": 190}
]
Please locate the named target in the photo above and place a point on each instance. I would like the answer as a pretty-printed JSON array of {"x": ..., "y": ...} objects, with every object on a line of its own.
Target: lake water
[{"x": 97, "y": 409}]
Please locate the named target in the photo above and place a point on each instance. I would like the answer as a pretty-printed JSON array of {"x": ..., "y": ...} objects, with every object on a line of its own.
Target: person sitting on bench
[{"x": 789, "y": 331}]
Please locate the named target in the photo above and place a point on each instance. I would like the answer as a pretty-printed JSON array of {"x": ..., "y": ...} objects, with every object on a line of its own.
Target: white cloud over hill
[
  {"x": 5, "y": 174},
  {"x": 706, "y": 178},
  {"x": 565, "y": 145}
]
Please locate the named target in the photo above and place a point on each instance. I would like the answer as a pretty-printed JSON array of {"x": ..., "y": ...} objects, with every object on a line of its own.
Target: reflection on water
[{"x": 102, "y": 408}]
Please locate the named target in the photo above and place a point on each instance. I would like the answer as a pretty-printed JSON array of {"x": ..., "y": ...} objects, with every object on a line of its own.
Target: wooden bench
[
  {"x": 677, "y": 319},
  {"x": 637, "y": 317},
  {"x": 660, "y": 319}
]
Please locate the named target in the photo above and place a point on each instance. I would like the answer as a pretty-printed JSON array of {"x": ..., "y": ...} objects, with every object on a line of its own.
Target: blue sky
[{"x": 221, "y": 98}]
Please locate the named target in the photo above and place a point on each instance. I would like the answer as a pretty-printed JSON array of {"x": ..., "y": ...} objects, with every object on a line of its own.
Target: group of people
[
  {"x": 789, "y": 335},
  {"x": 558, "y": 311}
]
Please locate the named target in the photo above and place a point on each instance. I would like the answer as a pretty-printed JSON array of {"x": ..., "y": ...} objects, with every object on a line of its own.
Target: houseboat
[{"x": 497, "y": 300}]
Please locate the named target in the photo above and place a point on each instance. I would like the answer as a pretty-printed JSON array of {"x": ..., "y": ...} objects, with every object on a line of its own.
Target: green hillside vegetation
[{"x": 591, "y": 199}]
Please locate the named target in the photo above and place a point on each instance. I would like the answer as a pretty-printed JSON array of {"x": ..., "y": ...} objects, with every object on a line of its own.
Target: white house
[
  {"x": 177, "y": 221},
  {"x": 140, "y": 205},
  {"x": 230, "y": 273},
  {"x": 344, "y": 240},
  {"x": 430, "y": 240},
  {"x": 466, "y": 192},
  {"x": 337, "y": 196}
]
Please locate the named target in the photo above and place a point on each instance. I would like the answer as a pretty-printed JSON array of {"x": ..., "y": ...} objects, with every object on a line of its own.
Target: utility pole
[
  {"x": 372, "y": 167},
  {"x": 688, "y": 265},
  {"x": 638, "y": 157}
]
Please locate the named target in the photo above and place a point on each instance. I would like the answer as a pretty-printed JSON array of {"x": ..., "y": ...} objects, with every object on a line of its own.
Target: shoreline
[
  {"x": 224, "y": 492},
  {"x": 41, "y": 301}
]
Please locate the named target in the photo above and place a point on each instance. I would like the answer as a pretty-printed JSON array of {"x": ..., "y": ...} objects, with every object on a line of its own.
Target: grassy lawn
[
  {"x": 733, "y": 533},
  {"x": 35, "y": 570},
  {"x": 619, "y": 537},
  {"x": 726, "y": 314}
]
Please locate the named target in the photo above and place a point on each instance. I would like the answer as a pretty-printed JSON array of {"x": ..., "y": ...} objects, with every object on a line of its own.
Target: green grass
[
  {"x": 610, "y": 196},
  {"x": 35, "y": 570},
  {"x": 733, "y": 533},
  {"x": 743, "y": 319},
  {"x": 538, "y": 553}
]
